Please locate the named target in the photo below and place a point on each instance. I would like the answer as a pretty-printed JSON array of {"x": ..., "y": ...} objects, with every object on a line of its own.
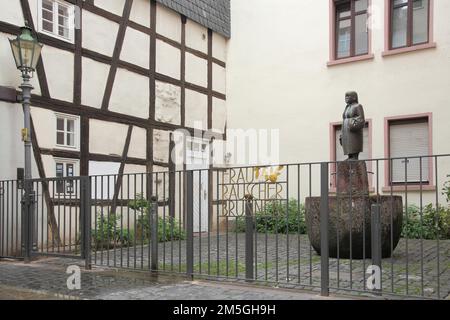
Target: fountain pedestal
[{"x": 349, "y": 215}]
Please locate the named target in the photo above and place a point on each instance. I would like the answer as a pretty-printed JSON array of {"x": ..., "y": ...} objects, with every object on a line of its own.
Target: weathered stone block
[
  {"x": 351, "y": 177},
  {"x": 350, "y": 224}
]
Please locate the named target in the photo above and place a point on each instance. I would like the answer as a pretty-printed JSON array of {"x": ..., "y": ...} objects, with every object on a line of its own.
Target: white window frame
[
  {"x": 76, "y": 134},
  {"x": 65, "y": 162},
  {"x": 55, "y": 33}
]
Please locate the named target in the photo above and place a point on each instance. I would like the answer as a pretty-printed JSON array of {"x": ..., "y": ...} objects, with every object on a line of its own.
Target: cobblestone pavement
[
  {"x": 415, "y": 269},
  {"x": 46, "y": 279}
]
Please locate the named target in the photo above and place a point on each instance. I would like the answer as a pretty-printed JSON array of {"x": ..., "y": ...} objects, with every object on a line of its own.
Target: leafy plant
[
  {"x": 168, "y": 229},
  {"x": 274, "y": 218},
  {"x": 429, "y": 224},
  {"x": 106, "y": 232}
]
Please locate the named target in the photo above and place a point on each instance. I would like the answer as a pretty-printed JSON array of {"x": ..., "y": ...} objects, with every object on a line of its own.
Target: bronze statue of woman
[{"x": 352, "y": 127}]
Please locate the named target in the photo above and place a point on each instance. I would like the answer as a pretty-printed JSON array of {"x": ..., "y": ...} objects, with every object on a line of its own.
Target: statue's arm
[{"x": 358, "y": 121}]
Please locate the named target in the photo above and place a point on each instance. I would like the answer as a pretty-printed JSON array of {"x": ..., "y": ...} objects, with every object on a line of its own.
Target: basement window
[{"x": 65, "y": 168}]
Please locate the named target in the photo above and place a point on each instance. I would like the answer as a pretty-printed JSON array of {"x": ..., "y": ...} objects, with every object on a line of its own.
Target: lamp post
[{"x": 26, "y": 51}]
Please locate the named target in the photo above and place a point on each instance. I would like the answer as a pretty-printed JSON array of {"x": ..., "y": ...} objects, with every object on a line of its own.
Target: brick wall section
[{"x": 213, "y": 14}]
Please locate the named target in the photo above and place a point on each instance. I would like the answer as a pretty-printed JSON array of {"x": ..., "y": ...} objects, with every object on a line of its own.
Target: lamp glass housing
[{"x": 26, "y": 50}]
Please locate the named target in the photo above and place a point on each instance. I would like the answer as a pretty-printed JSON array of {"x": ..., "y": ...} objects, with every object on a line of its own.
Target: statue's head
[{"x": 351, "y": 97}]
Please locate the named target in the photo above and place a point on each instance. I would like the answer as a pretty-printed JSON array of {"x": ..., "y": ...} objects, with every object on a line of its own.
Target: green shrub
[
  {"x": 168, "y": 229},
  {"x": 106, "y": 232},
  {"x": 429, "y": 225},
  {"x": 274, "y": 218}
]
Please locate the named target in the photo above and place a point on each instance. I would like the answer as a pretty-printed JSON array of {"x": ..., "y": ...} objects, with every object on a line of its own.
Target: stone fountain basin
[{"x": 349, "y": 219}]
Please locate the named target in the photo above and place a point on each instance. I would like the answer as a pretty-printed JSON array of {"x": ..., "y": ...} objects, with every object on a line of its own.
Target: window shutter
[{"x": 408, "y": 140}]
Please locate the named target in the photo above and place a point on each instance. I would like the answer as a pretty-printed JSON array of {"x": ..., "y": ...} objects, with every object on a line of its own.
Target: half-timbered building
[{"x": 114, "y": 80}]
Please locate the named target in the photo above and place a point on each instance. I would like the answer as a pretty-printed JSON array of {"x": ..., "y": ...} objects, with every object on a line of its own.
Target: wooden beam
[
  {"x": 172, "y": 178},
  {"x": 210, "y": 79},
  {"x": 42, "y": 77},
  {"x": 118, "y": 183},
  {"x": 98, "y": 114},
  {"x": 8, "y": 94},
  {"x": 77, "y": 70},
  {"x": 152, "y": 99},
  {"x": 183, "y": 71},
  {"x": 116, "y": 54},
  {"x": 59, "y": 44},
  {"x": 53, "y": 225}
]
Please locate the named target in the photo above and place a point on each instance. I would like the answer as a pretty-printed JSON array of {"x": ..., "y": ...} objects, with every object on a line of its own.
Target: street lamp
[{"x": 26, "y": 51}]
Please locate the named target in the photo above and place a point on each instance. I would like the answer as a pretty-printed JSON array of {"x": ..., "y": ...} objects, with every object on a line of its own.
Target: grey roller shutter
[{"x": 408, "y": 140}]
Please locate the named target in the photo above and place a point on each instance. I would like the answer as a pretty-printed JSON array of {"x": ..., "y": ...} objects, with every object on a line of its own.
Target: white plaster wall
[
  {"x": 168, "y": 59},
  {"x": 135, "y": 175},
  {"x": 168, "y": 23},
  {"x": 11, "y": 145},
  {"x": 107, "y": 137},
  {"x": 219, "y": 47},
  {"x": 49, "y": 166},
  {"x": 168, "y": 103},
  {"x": 34, "y": 11},
  {"x": 45, "y": 126},
  {"x": 196, "y": 36},
  {"x": 196, "y": 70},
  {"x": 160, "y": 188},
  {"x": 136, "y": 48},
  {"x": 130, "y": 94},
  {"x": 278, "y": 78},
  {"x": 9, "y": 75},
  {"x": 103, "y": 187},
  {"x": 138, "y": 145},
  {"x": 95, "y": 28},
  {"x": 94, "y": 77},
  {"x": 12, "y": 13},
  {"x": 219, "y": 79},
  {"x": 58, "y": 66},
  {"x": 134, "y": 168},
  {"x": 161, "y": 140},
  {"x": 140, "y": 12},
  {"x": 103, "y": 168},
  {"x": 115, "y": 6},
  {"x": 219, "y": 115},
  {"x": 196, "y": 110}
]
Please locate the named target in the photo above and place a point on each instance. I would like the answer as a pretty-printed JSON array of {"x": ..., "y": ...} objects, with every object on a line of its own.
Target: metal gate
[{"x": 45, "y": 217}]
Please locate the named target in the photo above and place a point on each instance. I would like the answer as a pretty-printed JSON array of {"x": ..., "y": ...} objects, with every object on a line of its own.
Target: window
[
  {"x": 409, "y": 24},
  {"x": 65, "y": 168},
  {"x": 352, "y": 33},
  {"x": 56, "y": 18},
  {"x": 409, "y": 138},
  {"x": 66, "y": 131}
]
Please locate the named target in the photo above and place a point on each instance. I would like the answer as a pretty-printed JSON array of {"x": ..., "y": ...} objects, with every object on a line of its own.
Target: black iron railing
[{"x": 305, "y": 225}]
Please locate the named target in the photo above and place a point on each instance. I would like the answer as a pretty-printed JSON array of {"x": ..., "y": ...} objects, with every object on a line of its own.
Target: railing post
[
  {"x": 324, "y": 217},
  {"x": 85, "y": 217},
  {"x": 376, "y": 242},
  {"x": 189, "y": 223},
  {"x": 154, "y": 232},
  {"x": 27, "y": 220},
  {"x": 249, "y": 231}
]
